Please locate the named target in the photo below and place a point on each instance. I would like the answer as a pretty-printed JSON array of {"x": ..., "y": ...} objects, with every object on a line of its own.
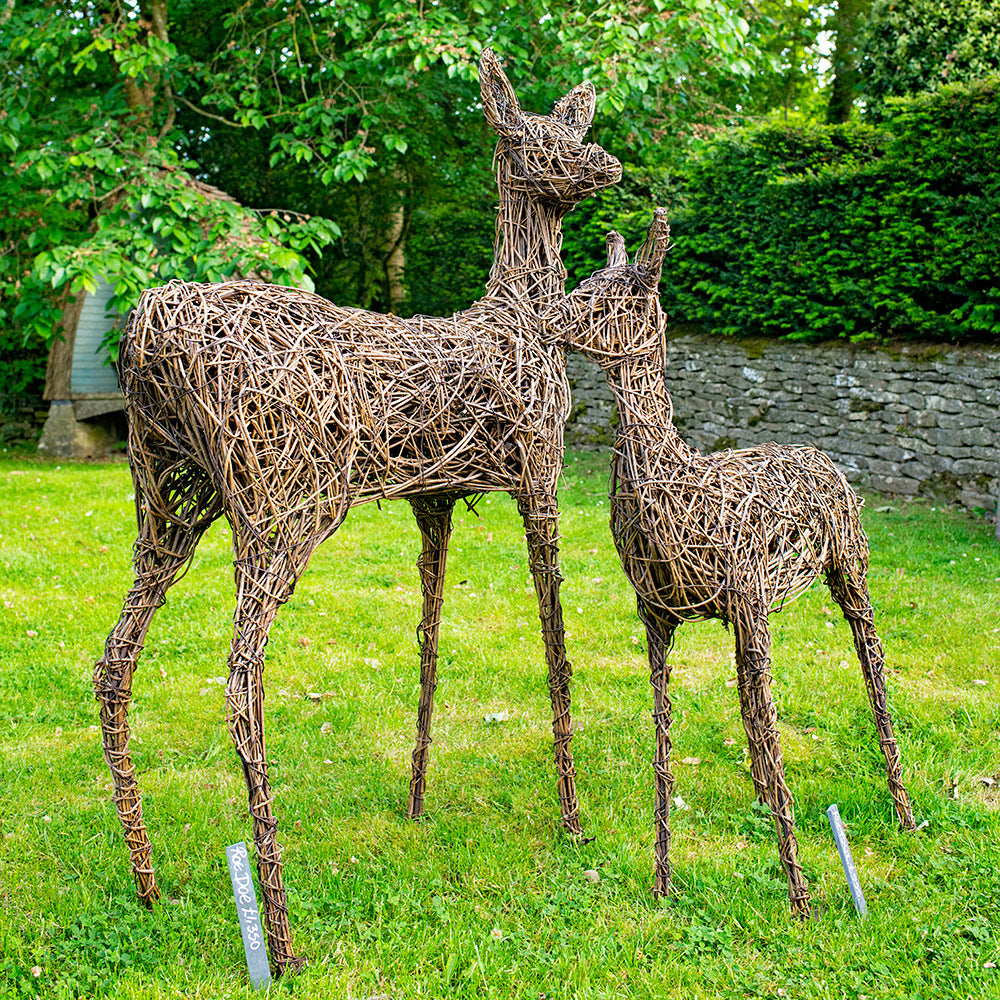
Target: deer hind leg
[
  {"x": 433, "y": 516},
  {"x": 659, "y": 640},
  {"x": 760, "y": 719},
  {"x": 855, "y": 602},
  {"x": 541, "y": 523},
  {"x": 174, "y": 508},
  {"x": 264, "y": 581}
]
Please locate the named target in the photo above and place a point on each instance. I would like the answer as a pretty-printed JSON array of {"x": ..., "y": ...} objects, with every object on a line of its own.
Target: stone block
[
  {"x": 893, "y": 484},
  {"x": 942, "y": 404},
  {"x": 63, "y": 436},
  {"x": 981, "y": 436}
]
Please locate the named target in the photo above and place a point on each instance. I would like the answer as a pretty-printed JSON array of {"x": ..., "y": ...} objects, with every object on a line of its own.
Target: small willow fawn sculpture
[
  {"x": 281, "y": 411},
  {"x": 733, "y": 535}
]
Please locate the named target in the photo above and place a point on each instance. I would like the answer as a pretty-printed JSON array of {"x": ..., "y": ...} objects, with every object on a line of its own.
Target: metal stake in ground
[
  {"x": 844, "y": 849},
  {"x": 246, "y": 909}
]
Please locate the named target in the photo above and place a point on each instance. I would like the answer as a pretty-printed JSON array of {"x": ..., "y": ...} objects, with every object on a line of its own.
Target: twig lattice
[
  {"x": 733, "y": 535},
  {"x": 281, "y": 411}
]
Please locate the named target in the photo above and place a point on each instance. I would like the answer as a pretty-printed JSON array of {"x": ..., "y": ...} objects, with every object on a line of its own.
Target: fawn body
[{"x": 733, "y": 535}]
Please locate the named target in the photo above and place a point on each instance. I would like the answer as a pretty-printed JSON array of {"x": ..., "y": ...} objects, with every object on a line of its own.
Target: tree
[
  {"x": 93, "y": 179},
  {"x": 909, "y": 48},
  {"x": 385, "y": 95},
  {"x": 786, "y": 77},
  {"x": 846, "y": 22}
]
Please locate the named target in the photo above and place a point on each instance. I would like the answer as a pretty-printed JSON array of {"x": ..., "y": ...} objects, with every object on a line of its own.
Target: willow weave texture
[
  {"x": 280, "y": 411},
  {"x": 732, "y": 535}
]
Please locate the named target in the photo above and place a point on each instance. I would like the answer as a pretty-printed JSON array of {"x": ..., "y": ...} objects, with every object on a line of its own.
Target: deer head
[
  {"x": 548, "y": 159},
  {"x": 616, "y": 312}
]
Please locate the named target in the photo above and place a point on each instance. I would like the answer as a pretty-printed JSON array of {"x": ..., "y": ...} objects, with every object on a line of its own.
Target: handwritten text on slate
[{"x": 246, "y": 908}]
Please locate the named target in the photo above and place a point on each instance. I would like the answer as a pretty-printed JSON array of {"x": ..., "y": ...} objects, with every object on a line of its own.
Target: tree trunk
[
  {"x": 845, "y": 23},
  {"x": 395, "y": 259},
  {"x": 395, "y": 264},
  {"x": 141, "y": 97}
]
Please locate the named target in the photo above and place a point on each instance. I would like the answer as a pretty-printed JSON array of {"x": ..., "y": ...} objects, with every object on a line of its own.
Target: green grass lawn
[{"x": 487, "y": 896}]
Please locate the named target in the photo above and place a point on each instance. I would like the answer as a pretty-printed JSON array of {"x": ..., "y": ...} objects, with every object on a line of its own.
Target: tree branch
[{"x": 208, "y": 114}]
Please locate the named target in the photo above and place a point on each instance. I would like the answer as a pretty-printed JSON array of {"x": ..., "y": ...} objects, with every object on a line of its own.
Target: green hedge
[{"x": 857, "y": 230}]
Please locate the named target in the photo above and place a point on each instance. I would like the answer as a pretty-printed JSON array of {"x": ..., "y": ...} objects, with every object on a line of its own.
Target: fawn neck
[
  {"x": 647, "y": 442},
  {"x": 527, "y": 267}
]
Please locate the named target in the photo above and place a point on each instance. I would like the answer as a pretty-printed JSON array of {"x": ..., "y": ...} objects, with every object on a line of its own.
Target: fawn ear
[
  {"x": 577, "y": 107},
  {"x": 649, "y": 259},
  {"x": 500, "y": 104},
  {"x": 617, "y": 256}
]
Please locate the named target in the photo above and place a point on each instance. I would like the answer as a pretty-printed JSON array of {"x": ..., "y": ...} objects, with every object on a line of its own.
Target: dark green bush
[
  {"x": 853, "y": 230},
  {"x": 913, "y": 47}
]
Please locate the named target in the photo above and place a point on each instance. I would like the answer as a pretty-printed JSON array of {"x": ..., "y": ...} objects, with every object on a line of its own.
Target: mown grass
[{"x": 486, "y": 896}]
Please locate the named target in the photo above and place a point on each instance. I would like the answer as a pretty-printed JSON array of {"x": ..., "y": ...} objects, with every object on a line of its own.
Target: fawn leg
[
  {"x": 433, "y": 516},
  {"x": 541, "y": 525},
  {"x": 855, "y": 602},
  {"x": 760, "y": 719},
  {"x": 659, "y": 640},
  {"x": 162, "y": 550},
  {"x": 262, "y": 585}
]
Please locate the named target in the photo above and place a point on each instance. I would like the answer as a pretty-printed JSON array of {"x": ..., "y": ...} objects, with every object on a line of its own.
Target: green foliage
[
  {"x": 788, "y": 79},
  {"x": 94, "y": 187},
  {"x": 907, "y": 48},
  {"x": 375, "y": 120},
  {"x": 345, "y": 99},
  {"x": 486, "y": 897},
  {"x": 449, "y": 255},
  {"x": 852, "y": 231},
  {"x": 363, "y": 113}
]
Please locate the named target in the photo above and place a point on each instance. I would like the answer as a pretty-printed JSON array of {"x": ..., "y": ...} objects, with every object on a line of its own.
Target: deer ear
[
  {"x": 500, "y": 104},
  {"x": 577, "y": 107},
  {"x": 617, "y": 256}
]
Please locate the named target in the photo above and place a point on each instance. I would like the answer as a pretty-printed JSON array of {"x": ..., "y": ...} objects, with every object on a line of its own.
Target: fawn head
[
  {"x": 616, "y": 312},
  {"x": 545, "y": 155}
]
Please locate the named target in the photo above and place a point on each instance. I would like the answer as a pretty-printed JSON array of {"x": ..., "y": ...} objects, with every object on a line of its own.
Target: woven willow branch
[
  {"x": 281, "y": 411},
  {"x": 733, "y": 535}
]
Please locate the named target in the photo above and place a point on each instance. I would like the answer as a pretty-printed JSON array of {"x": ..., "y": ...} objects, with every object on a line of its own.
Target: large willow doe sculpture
[
  {"x": 732, "y": 535},
  {"x": 281, "y": 411}
]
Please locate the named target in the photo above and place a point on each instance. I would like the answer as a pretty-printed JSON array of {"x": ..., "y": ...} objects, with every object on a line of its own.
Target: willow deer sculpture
[
  {"x": 281, "y": 411},
  {"x": 733, "y": 535}
]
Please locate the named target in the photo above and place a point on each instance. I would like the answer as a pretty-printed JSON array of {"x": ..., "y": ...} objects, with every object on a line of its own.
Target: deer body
[
  {"x": 733, "y": 535},
  {"x": 415, "y": 395},
  {"x": 280, "y": 411}
]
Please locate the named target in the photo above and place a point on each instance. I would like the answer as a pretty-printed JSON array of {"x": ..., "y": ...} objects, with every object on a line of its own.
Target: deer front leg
[
  {"x": 260, "y": 590},
  {"x": 659, "y": 640},
  {"x": 161, "y": 552},
  {"x": 541, "y": 524},
  {"x": 113, "y": 689},
  {"x": 855, "y": 602},
  {"x": 760, "y": 719},
  {"x": 433, "y": 516}
]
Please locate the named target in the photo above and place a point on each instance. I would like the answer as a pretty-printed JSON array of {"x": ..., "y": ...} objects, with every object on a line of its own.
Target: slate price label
[{"x": 246, "y": 909}]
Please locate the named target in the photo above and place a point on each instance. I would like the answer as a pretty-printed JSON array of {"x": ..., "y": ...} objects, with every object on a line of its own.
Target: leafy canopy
[
  {"x": 105, "y": 101},
  {"x": 908, "y": 48}
]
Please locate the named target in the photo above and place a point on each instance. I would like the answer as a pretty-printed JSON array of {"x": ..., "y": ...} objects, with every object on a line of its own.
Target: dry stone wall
[{"x": 921, "y": 420}]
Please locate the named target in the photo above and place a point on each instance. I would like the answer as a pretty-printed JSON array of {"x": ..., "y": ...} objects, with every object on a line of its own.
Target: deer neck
[
  {"x": 647, "y": 443},
  {"x": 527, "y": 266}
]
